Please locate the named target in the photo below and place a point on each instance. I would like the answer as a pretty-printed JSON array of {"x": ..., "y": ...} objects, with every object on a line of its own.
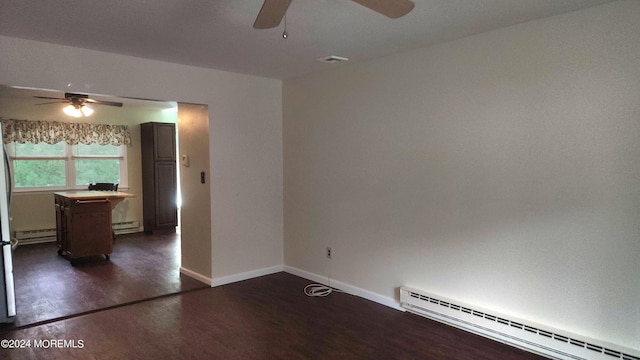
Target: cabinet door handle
[{"x": 92, "y": 201}]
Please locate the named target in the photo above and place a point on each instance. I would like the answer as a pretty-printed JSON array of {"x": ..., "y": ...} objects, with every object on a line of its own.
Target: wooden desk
[{"x": 83, "y": 222}]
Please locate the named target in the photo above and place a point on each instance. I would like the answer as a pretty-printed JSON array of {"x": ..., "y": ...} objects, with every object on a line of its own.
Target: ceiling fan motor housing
[{"x": 73, "y": 95}]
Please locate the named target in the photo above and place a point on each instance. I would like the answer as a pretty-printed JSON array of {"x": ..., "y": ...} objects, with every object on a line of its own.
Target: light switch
[{"x": 185, "y": 160}]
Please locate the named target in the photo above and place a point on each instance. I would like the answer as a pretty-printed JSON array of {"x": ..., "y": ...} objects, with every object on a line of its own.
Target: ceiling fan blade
[
  {"x": 389, "y": 8},
  {"x": 271, "y": 14},
  {"x": 52, "y": 102},
  {"x": 49, "y": 98},
  {"x": 102, "y": 102}
]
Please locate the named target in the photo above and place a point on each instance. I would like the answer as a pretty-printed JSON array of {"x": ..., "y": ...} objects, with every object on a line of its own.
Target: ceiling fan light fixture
[
  {"x": 77, "y": 110},
  {"x": 78, "y": 104},
  {"x": 86, "y": 111},
  {"x": 72, "y": 111}
]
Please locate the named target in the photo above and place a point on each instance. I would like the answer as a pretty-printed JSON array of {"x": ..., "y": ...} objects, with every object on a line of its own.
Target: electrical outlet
[{"x": 328, "y": 252}]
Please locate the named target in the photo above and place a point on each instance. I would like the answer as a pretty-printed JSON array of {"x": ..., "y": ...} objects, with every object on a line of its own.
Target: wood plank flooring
[
  {"x": 262, "y": 318},
  {"x": 142, "y": 266}
]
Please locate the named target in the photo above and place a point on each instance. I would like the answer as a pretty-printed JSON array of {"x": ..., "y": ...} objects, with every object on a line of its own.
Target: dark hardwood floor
[
  {"x": 262, "y": 318},
  {"x": 142, "y": 266}
]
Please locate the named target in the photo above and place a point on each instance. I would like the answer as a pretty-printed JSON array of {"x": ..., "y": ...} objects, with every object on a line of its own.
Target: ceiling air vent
[{"x": 332, "y": 59}]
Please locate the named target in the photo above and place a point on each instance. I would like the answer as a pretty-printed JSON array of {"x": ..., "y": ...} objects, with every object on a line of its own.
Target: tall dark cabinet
[{"x": 159, "y": 181}]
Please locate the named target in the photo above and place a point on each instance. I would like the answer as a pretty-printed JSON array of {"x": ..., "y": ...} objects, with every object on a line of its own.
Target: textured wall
[{"x": 500, "y": 169}]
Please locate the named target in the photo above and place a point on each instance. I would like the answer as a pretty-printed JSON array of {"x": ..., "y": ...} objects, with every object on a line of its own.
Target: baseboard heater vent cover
[
  {"x": 25, "y": 237},
  {"x": 126, "y": 227},
  {"x": 36, "y": 236},
  {"x": 547, "y": 342}
]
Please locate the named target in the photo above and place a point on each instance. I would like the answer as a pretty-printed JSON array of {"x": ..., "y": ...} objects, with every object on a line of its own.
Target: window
[
  {"x": 52, "y": 155},
  {"x": 97, "y": 163},
  {"x": 59, "y": 166}
]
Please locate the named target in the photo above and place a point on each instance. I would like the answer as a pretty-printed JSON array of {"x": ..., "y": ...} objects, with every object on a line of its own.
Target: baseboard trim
[
  {"x": 195, "y": 275},
  {"x": 245, "y": 275},
  {"x": 348, "y": 288}
]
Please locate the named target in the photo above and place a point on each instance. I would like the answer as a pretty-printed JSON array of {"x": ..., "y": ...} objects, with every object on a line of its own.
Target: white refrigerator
[{"x": 7, "y": 290}]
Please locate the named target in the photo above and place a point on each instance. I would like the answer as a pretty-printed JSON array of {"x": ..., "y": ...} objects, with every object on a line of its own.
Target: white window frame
[{"x": 70, "y": 168}]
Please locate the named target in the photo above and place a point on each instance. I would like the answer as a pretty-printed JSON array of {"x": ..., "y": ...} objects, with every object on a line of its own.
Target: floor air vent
[{"x": 517, "y": 333}]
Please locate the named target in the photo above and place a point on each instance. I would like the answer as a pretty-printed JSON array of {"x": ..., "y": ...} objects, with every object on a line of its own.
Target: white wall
[
  {"x": 195, "y": 224},
  {"x": 501, "y": 170},
  {"x": 245, "y": 115}
]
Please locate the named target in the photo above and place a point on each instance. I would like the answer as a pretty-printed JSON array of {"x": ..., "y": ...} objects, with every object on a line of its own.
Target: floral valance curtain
[{"x": 52, "y": 132}]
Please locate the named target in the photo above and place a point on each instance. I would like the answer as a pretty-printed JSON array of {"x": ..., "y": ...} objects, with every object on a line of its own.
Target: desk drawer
[{"x": 89, "y": 206}]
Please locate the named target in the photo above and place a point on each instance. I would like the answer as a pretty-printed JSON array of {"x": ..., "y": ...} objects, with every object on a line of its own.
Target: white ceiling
[{"x": 219, "y": 34}]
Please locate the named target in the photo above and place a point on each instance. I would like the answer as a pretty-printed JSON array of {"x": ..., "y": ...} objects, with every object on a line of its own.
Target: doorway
[{"x": 143, "y": 265}]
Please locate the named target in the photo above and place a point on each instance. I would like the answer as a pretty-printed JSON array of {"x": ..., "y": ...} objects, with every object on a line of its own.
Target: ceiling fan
[
  {"x": 77, "y": 102},
  {"x": 273, "y": 11}
]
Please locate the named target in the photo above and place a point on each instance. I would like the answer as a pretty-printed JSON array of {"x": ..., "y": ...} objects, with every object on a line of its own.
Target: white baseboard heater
[
  {"x": 25, "y": 237},
  {"x": 547, "y": 342},
  {"x": 126, "y": 227}
]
